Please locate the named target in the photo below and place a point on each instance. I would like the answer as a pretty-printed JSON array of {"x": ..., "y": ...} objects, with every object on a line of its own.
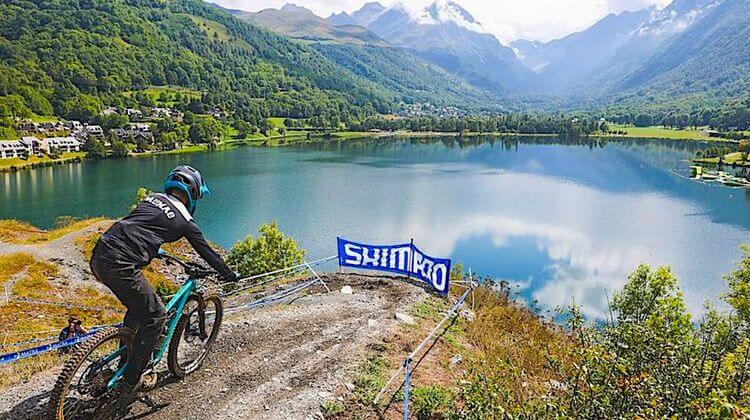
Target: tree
[
  {"x": 120, "y": 149},
  {"x": 13, "y": 106},
  {"x": 744, "y": 149},
  {"x": 738, "y": 282},
  {"x": 167, "y": 141},
  {"x": 95, "y": 149},
  {"x": 111, "y": 121},
  {"x": 82, "y": 108},
  {"x": 272, "y": 250},
  {"x": 206, "y": 130},
  {"x": 244, "y": 129}
]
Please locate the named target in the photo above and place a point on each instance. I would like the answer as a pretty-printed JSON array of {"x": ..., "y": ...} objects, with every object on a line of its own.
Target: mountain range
[
  {"x": 614, "y": 61},
  {"x": 289, "y": 62}
]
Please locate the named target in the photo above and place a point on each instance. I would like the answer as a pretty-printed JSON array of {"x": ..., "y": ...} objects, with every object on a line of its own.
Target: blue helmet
[{"x": 188, "y": 180}]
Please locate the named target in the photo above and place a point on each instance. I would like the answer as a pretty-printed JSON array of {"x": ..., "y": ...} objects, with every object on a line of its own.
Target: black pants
[{"x": 146, "y": 314}]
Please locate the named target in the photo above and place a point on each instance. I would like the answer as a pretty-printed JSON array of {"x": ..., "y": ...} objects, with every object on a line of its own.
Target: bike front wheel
[
  {"x": 194, "y": 334},
  {"x": 83, "y": 381}
]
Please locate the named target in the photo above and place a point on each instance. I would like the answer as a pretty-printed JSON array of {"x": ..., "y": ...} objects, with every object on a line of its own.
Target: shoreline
[{"x": 304, "y": 137}]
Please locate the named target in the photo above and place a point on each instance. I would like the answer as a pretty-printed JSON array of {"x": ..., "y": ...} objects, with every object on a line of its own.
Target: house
[
  {"x": 126, "y": 134},
  {"x": 161, "y": 112},
  {"x": 13, "y": 149},
  {"x": 33, "y": 145},
  {"x": 143, "y": 127},
  {"x": 134, "y": 113},
  {"x": 53, "y": 126},
  {"x": 94, "y": 130},
  {"x": 61, "y": 144},
  {"x": 110, "y": 110},
  {"x": 30, "y": 127},
  {"x": 73, "y": 125}
]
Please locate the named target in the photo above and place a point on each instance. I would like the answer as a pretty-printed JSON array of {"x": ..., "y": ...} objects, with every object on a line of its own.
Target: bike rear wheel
[
  {"x": 84, "y": 378},
  {"x": 190, "y": 343}
]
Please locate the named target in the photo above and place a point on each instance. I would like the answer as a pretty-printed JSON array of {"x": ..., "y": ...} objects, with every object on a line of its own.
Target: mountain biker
[{"x": 131, "y": 243}]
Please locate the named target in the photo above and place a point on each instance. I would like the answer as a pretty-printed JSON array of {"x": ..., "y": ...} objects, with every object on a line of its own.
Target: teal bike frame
[{"x": 174, "y": 307}]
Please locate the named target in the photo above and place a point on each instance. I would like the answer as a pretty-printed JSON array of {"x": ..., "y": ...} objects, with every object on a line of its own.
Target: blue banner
[
  {"x": 404, "y": 259},
  {"x": 22, "y": 354}
]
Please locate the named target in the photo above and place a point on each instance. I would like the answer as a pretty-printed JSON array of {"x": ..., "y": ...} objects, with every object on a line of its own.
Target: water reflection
[{"x": 563, "y": 221}]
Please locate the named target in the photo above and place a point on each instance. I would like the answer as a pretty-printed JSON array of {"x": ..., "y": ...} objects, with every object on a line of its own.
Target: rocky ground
[{"x": 278, "y": 362}]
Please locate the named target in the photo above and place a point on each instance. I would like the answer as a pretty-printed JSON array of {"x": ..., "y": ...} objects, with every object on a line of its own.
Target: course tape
[
  {"x": 411, "y": 355},
  {"x": 23, "y": 354},
  {"x": 264, "y": 301},
  {"x": 294, "y": 267},
  {"x": 273, "y": 298}
]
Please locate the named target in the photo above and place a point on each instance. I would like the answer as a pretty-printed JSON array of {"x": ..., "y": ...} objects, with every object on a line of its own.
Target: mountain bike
[{"x": 194, "y": 314}]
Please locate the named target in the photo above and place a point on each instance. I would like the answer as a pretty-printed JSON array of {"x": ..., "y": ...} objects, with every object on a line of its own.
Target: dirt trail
[
  {"x": 64, "y": 253},
  {"x": 278, "y": 362}
]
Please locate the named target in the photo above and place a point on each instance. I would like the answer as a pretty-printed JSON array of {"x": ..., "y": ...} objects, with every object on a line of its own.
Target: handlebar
[{"x": 193, "y": 270}]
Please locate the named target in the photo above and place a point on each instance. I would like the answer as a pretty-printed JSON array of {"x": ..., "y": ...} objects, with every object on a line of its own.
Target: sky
[{"x": 538, "y": 20}]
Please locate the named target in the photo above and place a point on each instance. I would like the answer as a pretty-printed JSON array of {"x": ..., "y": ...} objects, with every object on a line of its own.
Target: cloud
[{"x": 508, "y": 19}]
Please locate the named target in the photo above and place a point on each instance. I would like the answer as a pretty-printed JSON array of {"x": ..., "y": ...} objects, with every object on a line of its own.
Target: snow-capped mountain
[
  {"x": 611, "y": 48},
  {"x": 448, "y": 35}
]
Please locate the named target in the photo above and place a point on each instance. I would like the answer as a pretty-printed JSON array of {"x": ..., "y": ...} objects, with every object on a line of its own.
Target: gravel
[{"x": 278, "y": 362}]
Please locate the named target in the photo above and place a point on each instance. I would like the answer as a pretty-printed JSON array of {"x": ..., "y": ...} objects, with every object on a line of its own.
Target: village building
[
  {"x": 33, "y": 145},
  {"x": 134, "y": 113},
  {"x": 30, "y": 127},
  {"x": 73, "y": 125},
  {"x": 94, "y": 130},
  {"x": 61, "y": 144},
  {"x": 126, "y": 134},
  {"x": 140, "y": 127},
  {"x": 13, "y": 149}
]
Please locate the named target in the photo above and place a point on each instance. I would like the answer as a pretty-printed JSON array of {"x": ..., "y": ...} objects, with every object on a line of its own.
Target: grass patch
[
  {"x": 734, "y": 159},
  {"x": 276, "y": 122},
  {"x": 16, "y": 232},
  {"x": 35, "y": 284},
  {"x": 156, "y": 92},
  {"x": 331, "y": 408},
  {"x": 659, "y": 132},
  {"x": 33, "y": 160},
  {"x": 347, "y": 135},
  {"x": 12, "y": 264},
  {"x": 371, "y": 379},
  {"x": 23, "y": 370},
  {"x": 213, "y": 29},
  {"x": 43, "y": 118},
  {"x": 430, "y": 308}
]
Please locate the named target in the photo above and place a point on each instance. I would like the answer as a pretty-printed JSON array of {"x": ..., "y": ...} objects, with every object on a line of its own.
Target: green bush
[
  {"x": 272, "y": 250},
  {"x": 331, "y": 408},
  {"x": 432, "y": 402},
  {"x": 139, "y": 196},
  {"x": 652, "y": 361}
]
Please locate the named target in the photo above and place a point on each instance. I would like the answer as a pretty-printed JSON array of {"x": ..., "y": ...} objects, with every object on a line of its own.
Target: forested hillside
[
  {"x": 410, "y": 78},
  {"x": 704, "y": 66},
  {"x": 71, "y": 57},
  {"x": 415, "y": 79}
]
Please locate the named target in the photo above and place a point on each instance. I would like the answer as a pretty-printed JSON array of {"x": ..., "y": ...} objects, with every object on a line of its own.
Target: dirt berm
[{"x": 278, "y": 362}]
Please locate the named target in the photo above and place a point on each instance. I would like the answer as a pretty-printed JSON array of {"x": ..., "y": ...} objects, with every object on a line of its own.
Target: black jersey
[{"x": 158, "y": 219}]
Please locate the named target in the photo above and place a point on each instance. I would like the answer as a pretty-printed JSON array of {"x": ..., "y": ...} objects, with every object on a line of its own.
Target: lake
[{"x": 560, "y": 222}]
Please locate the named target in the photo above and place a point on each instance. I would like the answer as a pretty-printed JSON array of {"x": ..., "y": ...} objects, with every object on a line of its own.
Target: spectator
[{"x": 74, "y": 329}]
